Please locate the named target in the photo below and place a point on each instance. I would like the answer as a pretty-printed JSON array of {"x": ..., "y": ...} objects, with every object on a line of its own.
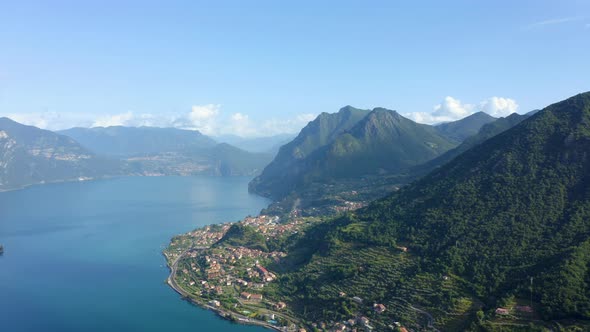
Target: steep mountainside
[
  {"x": 383, "y": 142},
  {"x": 461, "y": 129},
  {"x": 29, "y": 155},
  {"x": 127, "y": 141},
  {"x": 472, "y": 234},
  {"x": 317, "y": 134},
  {"x": 486, "y": 132}
]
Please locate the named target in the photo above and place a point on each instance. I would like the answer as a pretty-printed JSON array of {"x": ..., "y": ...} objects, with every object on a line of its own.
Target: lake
[{"x": 86, "y": 256}]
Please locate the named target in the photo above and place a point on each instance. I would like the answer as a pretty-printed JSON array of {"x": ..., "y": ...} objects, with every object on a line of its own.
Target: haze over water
[{"x": 87, "y": 256}]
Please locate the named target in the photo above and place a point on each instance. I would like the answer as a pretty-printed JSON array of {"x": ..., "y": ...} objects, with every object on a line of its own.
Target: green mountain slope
[
  {"x": 29, "y": 155},
  {"x": 126, "y": 141},
  {"x": 317, "y": 134},
  {"x": 383, "y": 142},
  {"x": 486, "y": 132},
  {"x": 477, "y": 229},
  {"x": 461, "y": 129}
]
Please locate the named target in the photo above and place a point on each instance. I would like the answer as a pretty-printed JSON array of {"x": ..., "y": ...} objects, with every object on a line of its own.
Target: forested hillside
[{"x": 512, "y": 208}]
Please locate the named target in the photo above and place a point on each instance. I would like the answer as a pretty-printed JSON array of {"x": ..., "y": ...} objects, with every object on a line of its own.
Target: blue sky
[{"x": 264, "y": 67}]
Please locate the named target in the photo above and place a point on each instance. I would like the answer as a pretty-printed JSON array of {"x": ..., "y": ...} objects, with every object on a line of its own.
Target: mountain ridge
[
  {"x": 123, "y": 141},
  {"x": 378, "y": 141},
  {"x": 468, "y": 126},
  {"x": 29, "y": 155},
  {"x": 508, "y": 209}
]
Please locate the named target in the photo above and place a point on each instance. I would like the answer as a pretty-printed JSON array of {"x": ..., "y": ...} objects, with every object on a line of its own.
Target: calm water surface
[{"x": 87, "y": 256}]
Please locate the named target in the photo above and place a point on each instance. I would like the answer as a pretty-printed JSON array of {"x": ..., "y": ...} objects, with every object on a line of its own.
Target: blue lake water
[{"x": 87, "y": 256}]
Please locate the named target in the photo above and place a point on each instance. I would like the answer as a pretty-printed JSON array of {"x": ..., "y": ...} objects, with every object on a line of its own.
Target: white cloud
[
  {"x": 204, "y": 112},
  {"x": 211, "y": 121},
  {"x": 498, "y": 106},
  {"x": 452, "y": 109},
  {"x": 208, "y": 119},
  {"x": 240, "y": 125},
  {"x": 203, "y": 118},
  {"x": 239, "y": 117},
  {"x": 291, "y": 125},
  {"x": 552, "y": 21},
  {"x": 130, "y": 119},
  {"x": 51, "y": 120},
  {"x": 114, "y": 120}
]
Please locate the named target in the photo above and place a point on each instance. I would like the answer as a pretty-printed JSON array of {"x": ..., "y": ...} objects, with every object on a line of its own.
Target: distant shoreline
[
  {"x": 25, "y": 186},
  {"x": 109, "y": 177}
]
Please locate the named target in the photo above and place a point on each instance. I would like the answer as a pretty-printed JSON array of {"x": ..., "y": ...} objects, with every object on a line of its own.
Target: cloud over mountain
[
  {"x": 208, "y": 119},
  {"x": 452, "y": 109}
]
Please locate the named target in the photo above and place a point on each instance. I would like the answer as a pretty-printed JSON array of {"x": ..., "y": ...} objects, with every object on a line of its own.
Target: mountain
[
  {"x": 471, "y": 236},
  {"x": 269, "y": 144},
  {"x": 228, "y": 160},
  {"x": 382, "y": 142},
  {"x": 169, "y": 151},
  {"x": 29, "y": 155},
  {"x": 315, "y": 135},
  {"x": 486, "y": 132},
  {"x": 126, "y": 141},
  {"x": 461, "y": 129}
]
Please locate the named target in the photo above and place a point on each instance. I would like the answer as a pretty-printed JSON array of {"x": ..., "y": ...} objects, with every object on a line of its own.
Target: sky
[{"x": 259, "y": 68}]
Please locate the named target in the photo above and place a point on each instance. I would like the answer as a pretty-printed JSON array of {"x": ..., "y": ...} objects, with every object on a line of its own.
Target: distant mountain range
[
  {"x": 29, "y": 155},
  {"x": 466, "y": 127},
  {"x": 350, "y": 145},
  {"x": 486, "y": 132},
  {"x": 130, "y": 141},
  {"x": 169, "y": 151}
]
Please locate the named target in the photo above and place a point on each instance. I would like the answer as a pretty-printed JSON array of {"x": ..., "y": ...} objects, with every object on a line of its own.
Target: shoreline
[
  {"x": 220, "y": 312},
  {"x": 110, "y": 177},
  {"x": 73, "y": 180}
]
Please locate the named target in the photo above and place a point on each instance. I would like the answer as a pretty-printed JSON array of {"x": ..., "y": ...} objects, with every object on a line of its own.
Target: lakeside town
[
  {"x": 235, "y": 281},
  {"x": 231, "y": 280},
  {"x": 238, "y": 282}
]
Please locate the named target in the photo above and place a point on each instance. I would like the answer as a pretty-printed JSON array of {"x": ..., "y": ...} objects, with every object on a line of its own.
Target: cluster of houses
[
  {"x": 249, "y": 296},
  {"x": 360, "y": 323},
  {"x": 264, "y": 274},
  {"x": 354, "y": 324},
  {"x": 270, "y": 226},
  {"x": 519, "y": 308},
  {"x": 349, "y": 206},
  {"x": 240, "y": 266},
  {"x": 206, "y": 236},
  {"x": 350, "y": 325},
  {"x": 230, "y": 266},
  {"x": 234, "y": 254}
]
